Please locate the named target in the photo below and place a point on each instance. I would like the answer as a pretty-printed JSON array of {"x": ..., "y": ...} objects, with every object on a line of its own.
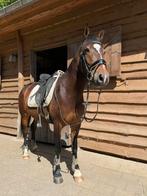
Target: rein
[
  {"x": 85, "y": 109},
  {"x": 61, "y": 114},
  {"x": 86, "y": 105}
]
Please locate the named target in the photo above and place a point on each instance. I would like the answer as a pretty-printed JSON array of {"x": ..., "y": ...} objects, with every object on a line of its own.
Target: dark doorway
[{"x": 51, "y": 60}]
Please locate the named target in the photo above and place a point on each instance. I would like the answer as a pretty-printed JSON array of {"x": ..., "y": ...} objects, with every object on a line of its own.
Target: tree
[{"x": 4, "y": 3}]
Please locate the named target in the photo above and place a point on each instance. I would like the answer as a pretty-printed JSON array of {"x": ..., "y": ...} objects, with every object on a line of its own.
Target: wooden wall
[
  {"x": 121, "y": 126},
  {"x": 9, "y": 87}
]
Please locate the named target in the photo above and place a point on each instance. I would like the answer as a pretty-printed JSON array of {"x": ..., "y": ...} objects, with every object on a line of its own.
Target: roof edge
[{"x": 15, "y": 6}]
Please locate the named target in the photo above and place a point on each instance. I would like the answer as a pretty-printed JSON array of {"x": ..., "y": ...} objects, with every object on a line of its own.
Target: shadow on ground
[{"x": 47, "y": 151}]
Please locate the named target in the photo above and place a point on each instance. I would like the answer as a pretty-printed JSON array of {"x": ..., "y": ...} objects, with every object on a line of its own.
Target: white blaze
[{"x": 98, "y": 47}]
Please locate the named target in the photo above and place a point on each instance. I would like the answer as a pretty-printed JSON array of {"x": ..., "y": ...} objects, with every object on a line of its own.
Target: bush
[{"x": 4, "y": 3}]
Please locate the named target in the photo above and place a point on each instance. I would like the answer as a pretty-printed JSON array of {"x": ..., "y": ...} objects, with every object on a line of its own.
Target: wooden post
[
  {"x": 33, "y": 64},
  {"x": 20, "y": 75},
  {"x": 20, "y": 61},
  {"x": 0, "y": 72}
]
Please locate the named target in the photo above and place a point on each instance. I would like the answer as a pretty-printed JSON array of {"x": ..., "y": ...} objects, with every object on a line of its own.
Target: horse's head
[{"x": 93, "y": 64}]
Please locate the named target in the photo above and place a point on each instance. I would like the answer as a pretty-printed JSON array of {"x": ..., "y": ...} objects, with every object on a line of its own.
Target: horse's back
[{"x": 24, "y": 94}]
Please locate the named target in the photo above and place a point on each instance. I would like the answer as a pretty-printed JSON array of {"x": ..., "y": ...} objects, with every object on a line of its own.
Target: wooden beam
[
  {"x": 64, "y": 11},
  {"x": 0, "y": 72},
  {"x": 20, "y": 61},
  {"x": 20, "y": 74}
]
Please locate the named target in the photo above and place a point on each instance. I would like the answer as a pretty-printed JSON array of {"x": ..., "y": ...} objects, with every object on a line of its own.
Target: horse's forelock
[
  {"x": 90, "y": 40},
  {"x": 93, "y": 38}
]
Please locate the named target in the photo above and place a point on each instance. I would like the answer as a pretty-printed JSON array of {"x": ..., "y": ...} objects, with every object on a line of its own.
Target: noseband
[{"x": 91, "y": 69}]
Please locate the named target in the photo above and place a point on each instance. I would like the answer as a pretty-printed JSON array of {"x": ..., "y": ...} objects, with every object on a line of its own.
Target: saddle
[{"x": 42, "y": 93}]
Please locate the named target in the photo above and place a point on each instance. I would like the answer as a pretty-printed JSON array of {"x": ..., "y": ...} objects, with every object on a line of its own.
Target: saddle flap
[{"x": 42, "y": 93}]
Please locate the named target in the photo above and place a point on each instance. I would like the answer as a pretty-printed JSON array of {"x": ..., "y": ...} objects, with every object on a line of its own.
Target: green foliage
[{"x": 4, "y": 3}]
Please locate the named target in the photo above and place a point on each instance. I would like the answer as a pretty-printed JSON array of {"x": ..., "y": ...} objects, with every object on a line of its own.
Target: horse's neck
[{"x": 77, "y": 79}]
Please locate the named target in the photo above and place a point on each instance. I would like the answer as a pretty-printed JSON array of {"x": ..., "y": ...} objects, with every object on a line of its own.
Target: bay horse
[{"x": 67, "y": 104}]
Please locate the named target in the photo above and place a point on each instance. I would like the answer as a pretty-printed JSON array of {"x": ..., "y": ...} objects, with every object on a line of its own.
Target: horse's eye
[{"x": 87, "y": 50}]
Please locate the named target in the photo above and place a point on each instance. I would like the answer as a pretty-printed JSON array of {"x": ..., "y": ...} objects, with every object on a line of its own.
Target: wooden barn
[{"x": 38, "y": 36}]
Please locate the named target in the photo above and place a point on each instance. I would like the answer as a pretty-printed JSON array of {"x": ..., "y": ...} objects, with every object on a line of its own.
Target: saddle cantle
[{"x": 42, "y": 93}]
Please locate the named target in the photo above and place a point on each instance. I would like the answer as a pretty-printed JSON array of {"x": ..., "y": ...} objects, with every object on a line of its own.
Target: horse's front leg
[
  {"x": 56, "y": 165},
  {"x": 75, "y": 166},
  {"x": 25, "y": 131}
]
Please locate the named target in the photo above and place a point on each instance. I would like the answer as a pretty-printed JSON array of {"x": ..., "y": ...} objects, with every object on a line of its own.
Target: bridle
[
  {"x": 89, "y": 75},
  {"x": 89, "y": 70}
]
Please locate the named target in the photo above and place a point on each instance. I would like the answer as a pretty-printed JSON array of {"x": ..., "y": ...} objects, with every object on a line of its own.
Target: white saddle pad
[{"x": 32, "y": 100}]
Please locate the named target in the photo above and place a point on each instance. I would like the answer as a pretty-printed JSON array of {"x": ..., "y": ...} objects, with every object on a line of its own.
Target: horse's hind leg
[
  {"x": 33, "y": 131},
  {"x": 75, "y": 166},
  {"x": 25, "y": 130},
  {"x": 56, "y": 165}
]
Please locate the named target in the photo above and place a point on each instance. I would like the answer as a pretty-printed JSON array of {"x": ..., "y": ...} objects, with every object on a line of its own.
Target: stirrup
[{"x": 39, "y": 123}]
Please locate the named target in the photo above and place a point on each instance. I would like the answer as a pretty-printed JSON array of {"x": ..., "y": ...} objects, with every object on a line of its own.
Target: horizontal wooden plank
[
  {"x": 14, "y": 79},
  {"x": 8, "y": 95},
  {"x": 8, "y": 123},
  {"x": 6, "y": 116},
  {"x": 139, "y": 57},
  {"x": 9, "y": 89},
  {"x": 9, "y": 110},
  {"x": 133, "y": 82},
  {"x": 8, "y": 102},
  {"x": 113, "y": 149},
  {"x": 119, "y": 97},
  {"x": 122, "y": 118},
  {"x": 115, "y": 127},
  {"x": 8, "y": 130},
  {"x": 129, "y": 67},
  {"x": 140, "y": 142},
  {"x": 125, "y": 109},
  {"x": 10, "y": 80},
  {"x": 13, "y": 83},
  {"x": 9, "y": 84},
  {"x": 142, "y": 74}
]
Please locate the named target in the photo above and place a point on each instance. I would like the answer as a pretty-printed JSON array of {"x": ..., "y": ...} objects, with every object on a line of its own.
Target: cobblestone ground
[{"x": 103, "y": 175}]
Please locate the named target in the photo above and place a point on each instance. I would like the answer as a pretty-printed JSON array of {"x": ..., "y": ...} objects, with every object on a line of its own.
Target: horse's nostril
[{"x": 101, "y": 77}]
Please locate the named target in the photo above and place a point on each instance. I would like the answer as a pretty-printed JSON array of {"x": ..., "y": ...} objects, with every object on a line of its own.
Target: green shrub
[{"x": 4, "y": 3}]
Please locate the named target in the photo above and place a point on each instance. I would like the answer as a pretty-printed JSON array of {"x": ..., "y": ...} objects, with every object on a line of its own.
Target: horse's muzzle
[{"x": 101, "y": 79}]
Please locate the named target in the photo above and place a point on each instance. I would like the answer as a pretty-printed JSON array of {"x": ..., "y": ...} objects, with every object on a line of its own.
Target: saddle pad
[{"x": 49, "y": 95}]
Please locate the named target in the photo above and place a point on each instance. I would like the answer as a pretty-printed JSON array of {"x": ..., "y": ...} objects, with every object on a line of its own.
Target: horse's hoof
[
  {"x": 58, "y": 180},
  {"x": 78, "y": 179},
  {"x": 26, "y": 157}
]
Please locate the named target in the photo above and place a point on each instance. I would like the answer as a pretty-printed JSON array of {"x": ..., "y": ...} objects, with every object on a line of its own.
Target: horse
[{"x": 67, "y": 104}]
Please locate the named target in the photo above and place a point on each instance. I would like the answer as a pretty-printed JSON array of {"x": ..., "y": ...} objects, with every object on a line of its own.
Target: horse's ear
[
  {"x": 101, "y": 35},
  {"x": 86, "y": 31}
]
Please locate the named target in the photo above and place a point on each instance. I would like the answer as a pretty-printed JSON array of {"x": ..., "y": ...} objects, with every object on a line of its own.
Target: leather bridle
[{"x": 90, "y": 69}]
